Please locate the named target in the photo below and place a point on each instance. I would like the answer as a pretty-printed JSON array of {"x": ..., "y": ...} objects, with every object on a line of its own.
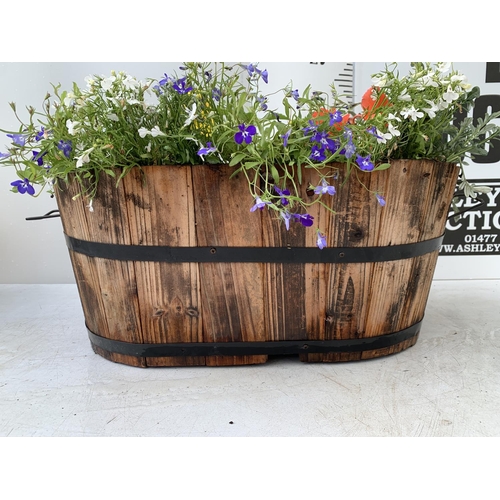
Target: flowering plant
[{"x": 218, "y": 114}]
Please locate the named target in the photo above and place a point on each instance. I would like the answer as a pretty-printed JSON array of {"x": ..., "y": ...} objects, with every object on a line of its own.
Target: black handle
[{"x": 48, "y": 215}]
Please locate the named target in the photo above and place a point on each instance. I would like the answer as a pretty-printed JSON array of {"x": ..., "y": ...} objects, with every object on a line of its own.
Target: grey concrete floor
[{"x": 448, "y": 384}]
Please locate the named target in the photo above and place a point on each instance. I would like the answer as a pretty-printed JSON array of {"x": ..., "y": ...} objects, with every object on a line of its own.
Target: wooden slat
[
  {"x": 231, "y": 293},
  {"x": 159, "y": 204},
  {"x": 107, "y": 283}
]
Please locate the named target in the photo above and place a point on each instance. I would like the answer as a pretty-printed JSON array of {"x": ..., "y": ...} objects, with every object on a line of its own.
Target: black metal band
[
  {"x": 282, "y": 347},
  {"x": 253, "y": 254}
]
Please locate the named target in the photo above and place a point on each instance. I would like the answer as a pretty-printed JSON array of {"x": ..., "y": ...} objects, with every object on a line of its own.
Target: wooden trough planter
[{"x": 174, "y": 270}]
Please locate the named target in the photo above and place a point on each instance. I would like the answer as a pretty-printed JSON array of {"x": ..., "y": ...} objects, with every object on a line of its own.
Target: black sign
[{"x": 477, "y": 230}]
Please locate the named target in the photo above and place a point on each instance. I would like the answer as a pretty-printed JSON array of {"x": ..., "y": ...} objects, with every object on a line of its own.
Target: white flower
[
  {"x": 462, "y": 79},
  {"x": 148, "y": 147},
  {"x": 383, "y": 138},
  {"x": 432, "y": 110},
  {"x": 107, "y": 83},
  {"x": 449, "y": 96},
  {"x": 89, "y": 206},
  {"x": 393, "y": 117},
  {"x": 442, "y": 104},
  {"x": 89, "y": 80},
  {"x": 413, "y": 113},
  {"x": 155, "y": 131},
  {"x": 84, "y": 158},
  {"x": 428, "y": 81},
  {"x": 68, "y": 100},
  {"x": 113, "y": 117},
  {"x": 143, "y": 132},
  {"x": 191, "y": 115},
  {"x": 130, "y": 83},
  {"x": 443, "y": 67},
  {"x": 393, "y": 130},
  {"x": 379, "y": 81},
  {"x": 458, "y": 78},
  {"x": 404, "y": 96},
  {"x": 72, "y": 126}
]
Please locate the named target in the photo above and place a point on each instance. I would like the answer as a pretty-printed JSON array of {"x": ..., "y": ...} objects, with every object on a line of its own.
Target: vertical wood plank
[
  {"x": 231, "y": 293},
  {"x": 159, "y": 203},
  {"x": 107, "y": 223}
]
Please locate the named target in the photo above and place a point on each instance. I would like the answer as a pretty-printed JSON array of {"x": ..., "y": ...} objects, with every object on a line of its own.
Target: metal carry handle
[{"x": 48, "y": 215}]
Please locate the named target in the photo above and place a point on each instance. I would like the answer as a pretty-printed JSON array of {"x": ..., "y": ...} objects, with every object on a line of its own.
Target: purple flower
[
  {"x": 287, "y": 218},
  {"x": 164, "y": 81},
  {"x": 305, "y": 219},
  {"x": 245, "y": 134},
  {"x": 317, "y": 153},
  {"x": 23, "y": 186},
  {"x": 335, "y": 117},
  {"x": 216, "y": 94},
  {"x": 262, "y": 101},
  {"x": 365, "y": 163},
  {"x": 312, "y": 128},
  {"x": 324, "y": 188},
  {"x": 208, "y": 75},
  {"x": 348, "y": 133},
  {"x": 285, "y": 137},
  {"x": 18, "y": 139},
  {"x": 324, "y": 140},
  {"x": 283, "y": 193},
  {"x": 349, "y": 149},
  {"x": 380, "y": 199},
  {"x": 180, "y": 86},
  {"x": 4, "y": 155},
  {"x": 207, "y": 150},
  {"x": 295, "y": 94},
  {"x": 373, "y": 131},
  {"x": 263, "y": 74},
  {"x": 40, "y": 134},
  {"x": 250, "y": 68},
  {"x": 38, "y": 157},
  {"x": 259, "y": 204},
  {"x": 65, "y": 147},
  {"x": 321, "y": 241}
]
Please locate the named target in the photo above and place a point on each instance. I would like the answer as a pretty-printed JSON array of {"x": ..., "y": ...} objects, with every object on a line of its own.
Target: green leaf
[
  {"x": 236, "y": 159},
  {"x": 383, "y": 166},
  {"x": 251, "y": 164},
  {"x": 275, "y": 174}
]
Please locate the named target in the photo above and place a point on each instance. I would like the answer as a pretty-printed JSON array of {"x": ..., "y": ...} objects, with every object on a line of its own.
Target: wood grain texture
[
  {"x": 231, "y": 293},
  {"x": 158, "y": 302}
]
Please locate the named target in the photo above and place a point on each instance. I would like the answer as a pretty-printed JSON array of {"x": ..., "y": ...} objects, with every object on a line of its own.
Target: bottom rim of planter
[{"x": 241, "y": 353}]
